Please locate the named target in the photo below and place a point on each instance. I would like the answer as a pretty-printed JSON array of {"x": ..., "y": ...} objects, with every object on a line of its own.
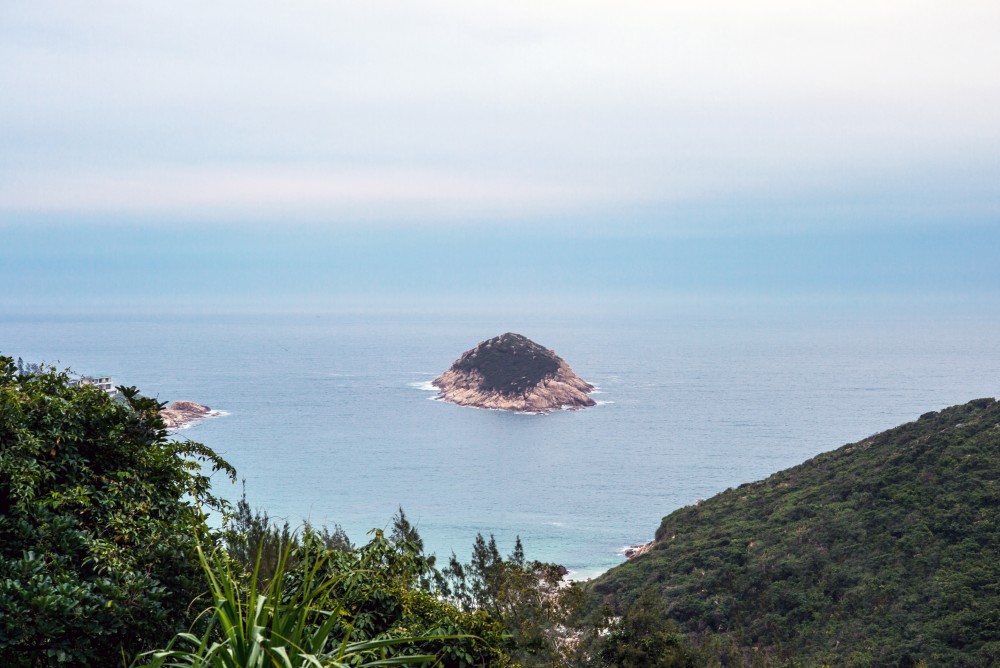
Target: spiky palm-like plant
[{"x": 268, "y": 627}]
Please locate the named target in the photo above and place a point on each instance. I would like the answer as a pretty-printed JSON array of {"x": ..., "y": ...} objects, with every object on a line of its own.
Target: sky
[{"x": 310, "y": 154}]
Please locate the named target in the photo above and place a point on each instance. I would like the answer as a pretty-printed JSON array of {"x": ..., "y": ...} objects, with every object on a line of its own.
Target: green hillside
[{"x": 885, "y": 552}]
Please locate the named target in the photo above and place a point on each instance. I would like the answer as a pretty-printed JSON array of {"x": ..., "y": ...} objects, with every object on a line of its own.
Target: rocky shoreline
[
  {"x": 181, "y": 414},
  {"x": 512, "y": 373},
  {"x": 633, "y": 551},
  {"x": 563, "y": 390}
]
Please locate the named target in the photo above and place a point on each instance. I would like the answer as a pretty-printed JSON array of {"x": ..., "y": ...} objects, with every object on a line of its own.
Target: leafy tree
[
  {"x": 29, "y": 368},
  {"x": 529, "y": 597},
  {"x": 99, "y": 513},
  {"x": 404, "y": 532},
  {"x": 517, "y": 556},
  {"x": 406, "y": 536},
  {"x": 384, "y": 590},
  {"x": 267, "y": 625},
  {"x": 254, "y": 541},
  {"x": 640, "y": 639}
]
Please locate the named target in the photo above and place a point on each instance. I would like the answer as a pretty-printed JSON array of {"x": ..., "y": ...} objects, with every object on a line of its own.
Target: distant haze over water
[{"x": 329, "y": 416}]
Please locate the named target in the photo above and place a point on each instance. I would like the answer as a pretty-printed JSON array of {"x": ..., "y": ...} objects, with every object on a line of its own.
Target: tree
[
  {"x": 640, "y": 639},
  {"x": 529, "y": 597},
  {"x": 383, "y": 591},
  {"x": 404, "y": 532},
  {"x": 253, "y": 541},
  {"x": 405, "y": 536},
  {"x": 99, "y": 518}
]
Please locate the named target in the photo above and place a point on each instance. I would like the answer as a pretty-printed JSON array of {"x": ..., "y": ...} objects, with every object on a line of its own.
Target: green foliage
[
  {"x": 640, "y": 639},
  {"x": 406, "y": 537},
  {"x": 528, "y": 597},
  {"x": 253, "y": 541},
  {"x": 274, "y": 625},
  {"x": 29, "y": 368},
  {"x": 384, "y": 590},
  {"x": 98, "y": 517},
  {"x": 880, "y": 553}
]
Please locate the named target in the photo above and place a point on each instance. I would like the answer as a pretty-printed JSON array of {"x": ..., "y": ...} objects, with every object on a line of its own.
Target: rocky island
[
  {"x": 513, "y": 373},
  {"x": 180, "y": 414}
]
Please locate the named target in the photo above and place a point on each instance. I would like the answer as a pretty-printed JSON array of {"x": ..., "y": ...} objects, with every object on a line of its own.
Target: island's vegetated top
[{"x": 510, "y": 364}]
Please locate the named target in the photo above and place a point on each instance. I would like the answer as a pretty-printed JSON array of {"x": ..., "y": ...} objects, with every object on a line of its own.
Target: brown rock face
[
  {"x": 511, "y": 372},
  {"x": 182, "y": 413},
  {"x": 633, "y": 551}
]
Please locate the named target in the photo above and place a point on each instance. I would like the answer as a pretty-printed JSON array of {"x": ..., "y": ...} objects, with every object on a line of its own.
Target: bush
[{"x": 99, "y": 513}]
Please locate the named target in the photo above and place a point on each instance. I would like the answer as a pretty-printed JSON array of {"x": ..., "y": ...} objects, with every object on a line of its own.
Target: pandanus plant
[{"x": 271, "y": 625}]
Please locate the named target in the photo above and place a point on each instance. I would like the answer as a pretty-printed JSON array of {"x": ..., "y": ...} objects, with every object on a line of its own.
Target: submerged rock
[{"x": 511, "y": 372}]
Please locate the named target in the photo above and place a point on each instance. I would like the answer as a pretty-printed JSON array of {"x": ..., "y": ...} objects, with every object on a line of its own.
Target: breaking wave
[{"x": 424, "y": 385}]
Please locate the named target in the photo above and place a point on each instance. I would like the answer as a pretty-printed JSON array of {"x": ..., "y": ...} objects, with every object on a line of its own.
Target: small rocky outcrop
[
  {"x": 633, "y": 551},
  {"x": 180, "y": 414},
  {"x": 511, "y": 372}
]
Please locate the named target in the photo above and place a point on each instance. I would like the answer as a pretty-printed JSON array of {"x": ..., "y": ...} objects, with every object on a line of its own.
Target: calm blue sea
[{"x": 328, "y": 416}]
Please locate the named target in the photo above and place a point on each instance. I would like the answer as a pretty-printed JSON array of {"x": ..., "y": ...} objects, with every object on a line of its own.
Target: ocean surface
[{"x": 329, "y": 417}]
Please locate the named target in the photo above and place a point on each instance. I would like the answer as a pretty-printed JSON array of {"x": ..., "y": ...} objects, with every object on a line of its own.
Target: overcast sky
[
  {"x": 338, "y": 110},
  {"x": 666, "y": 119}
]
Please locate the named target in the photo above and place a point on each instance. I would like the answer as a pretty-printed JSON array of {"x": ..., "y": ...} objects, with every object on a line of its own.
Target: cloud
[
  {"x": 264, "y": 189},
  {"x": 447, "y": 106}
]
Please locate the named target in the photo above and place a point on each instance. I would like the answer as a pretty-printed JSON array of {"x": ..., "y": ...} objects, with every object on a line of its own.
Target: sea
[{"x": 331, "y": 418}]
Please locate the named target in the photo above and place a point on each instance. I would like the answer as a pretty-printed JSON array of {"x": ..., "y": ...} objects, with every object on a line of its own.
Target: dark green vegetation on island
[
  {"x": 885, "y": 552},
  {"x": 510, "y": 364}
]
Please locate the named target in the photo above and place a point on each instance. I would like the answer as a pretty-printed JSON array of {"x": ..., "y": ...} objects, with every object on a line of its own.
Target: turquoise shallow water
[{"x": 328, "y": 417}]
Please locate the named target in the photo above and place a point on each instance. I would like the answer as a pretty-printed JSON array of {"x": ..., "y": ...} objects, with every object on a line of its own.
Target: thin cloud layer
[
  {"x": 390, "y": 109},
  {"x": 264, "y": 189}
]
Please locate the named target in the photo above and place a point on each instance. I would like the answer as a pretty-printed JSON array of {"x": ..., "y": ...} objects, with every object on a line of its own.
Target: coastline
[{"x": 183, "y": 414}]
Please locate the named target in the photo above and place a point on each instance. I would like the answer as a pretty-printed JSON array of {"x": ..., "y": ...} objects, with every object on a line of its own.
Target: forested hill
[{"x": 883, "y": 552}]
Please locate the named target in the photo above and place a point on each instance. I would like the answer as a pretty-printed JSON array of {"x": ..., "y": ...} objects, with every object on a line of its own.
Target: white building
[{"x": 99, "y": 380}]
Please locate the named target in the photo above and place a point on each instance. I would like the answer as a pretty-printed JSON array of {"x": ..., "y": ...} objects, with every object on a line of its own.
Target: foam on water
[
  {"x": 424, "y": 385},
  {"x": 211, "y": 414}
]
